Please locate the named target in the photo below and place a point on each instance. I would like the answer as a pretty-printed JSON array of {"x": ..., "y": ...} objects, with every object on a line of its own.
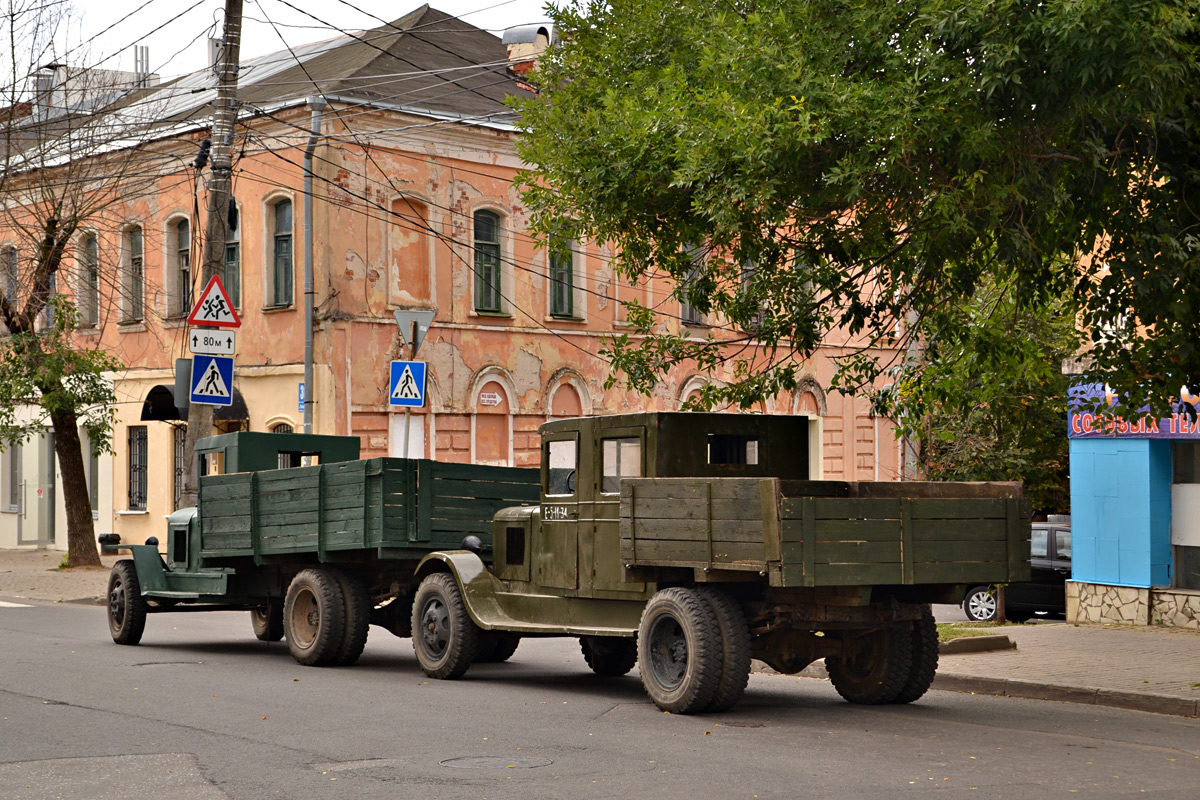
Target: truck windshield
[{"x": 622, "y": 459}]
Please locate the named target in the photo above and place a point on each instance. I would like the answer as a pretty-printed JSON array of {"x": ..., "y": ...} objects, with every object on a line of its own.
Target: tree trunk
[{"x": 81, "y": 533}]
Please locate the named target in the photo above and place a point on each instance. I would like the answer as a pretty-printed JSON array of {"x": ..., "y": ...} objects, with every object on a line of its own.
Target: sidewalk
[{"x": 1141, "y": 668}]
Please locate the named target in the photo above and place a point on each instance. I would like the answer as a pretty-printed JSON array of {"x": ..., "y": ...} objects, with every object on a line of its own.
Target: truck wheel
[
  {"x": 126, "y": 606},
  {"x": 679, "y": 651},
  {"x": 358, "y": 618},
  {"x": 496, "y": 647},
  {"x": 735, "y": 649},
  {"x": 610, "y": 656},
  {"x": 314, "y": 617},
  {"x": 877, "y": 670},
  {"x": 980, "y": 604},
  {"x": 267, "y": 621},
  {"x": 924, "y": 658},
  {"x": 445, "y": 639}
]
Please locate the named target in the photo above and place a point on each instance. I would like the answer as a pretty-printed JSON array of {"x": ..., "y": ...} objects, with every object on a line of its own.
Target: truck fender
[
  {"x": 477, "y": 584},
  {"x": 151, "y": 571}
]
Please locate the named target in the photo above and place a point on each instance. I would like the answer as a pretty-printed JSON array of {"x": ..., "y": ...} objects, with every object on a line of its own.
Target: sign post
[{"x": 413, "y": 327}]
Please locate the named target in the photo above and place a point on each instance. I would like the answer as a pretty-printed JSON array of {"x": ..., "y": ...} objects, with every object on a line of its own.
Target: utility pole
[{"x": 220, "y": 186}]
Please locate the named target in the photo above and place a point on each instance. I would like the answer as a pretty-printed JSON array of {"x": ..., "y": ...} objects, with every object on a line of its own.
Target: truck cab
[{"x": 569, "y": 544}]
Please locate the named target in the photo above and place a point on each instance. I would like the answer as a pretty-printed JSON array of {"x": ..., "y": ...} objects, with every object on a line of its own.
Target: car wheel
[
  {"x": 980, "y": 604},
  {"x": 314, "y": 617},
  {"x": 445, "y": 638},
  {"x": 126, "y": 606},
  {"x": 679, "y": 651}
]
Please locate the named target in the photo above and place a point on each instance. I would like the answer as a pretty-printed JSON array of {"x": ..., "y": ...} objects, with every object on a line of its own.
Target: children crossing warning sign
[
  {"x": 214, "y": 307},
  {"x": 407, "y": 384},
  {"x": 212, "y": 380}
]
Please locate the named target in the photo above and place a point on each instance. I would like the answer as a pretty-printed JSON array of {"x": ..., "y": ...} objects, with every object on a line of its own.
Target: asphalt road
[{"x": 203, "y": 710}]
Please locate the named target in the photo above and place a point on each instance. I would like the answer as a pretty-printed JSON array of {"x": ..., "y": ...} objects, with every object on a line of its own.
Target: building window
[
  {"x": 180, "y": 466},
  {"x": 12, "y": 274},
  {"x": 135, "y": 276},
  {"x": 137, "y": 467},
  {"x": 688, "y": 313},
  {"x": 286, "y": 460},
  {"x": 487, "y": 262},
  {"x": 233, "y": 267},
  {"x": 281, "y": 262},
  {"x": 89, "y": 282},
  {"x": 562, "y": 284},
  {"x": 93, "y": 478},
  {"x": 183, "y": 267},
  {"x": 14, "y": 476}
]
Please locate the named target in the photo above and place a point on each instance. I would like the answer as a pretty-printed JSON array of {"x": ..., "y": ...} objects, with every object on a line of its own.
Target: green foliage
[
  {"x": 987, "y": 399},
  {"x": 857, "y": 167},
  {"x": 47, "y": 371}
]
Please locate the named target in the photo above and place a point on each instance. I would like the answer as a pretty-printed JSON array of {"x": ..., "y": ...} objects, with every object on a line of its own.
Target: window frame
[
  {"x": 88, "y": 295},
  {"x": 282, "y": 247},
  {"x": 13, "y": 473},
  {"x": 133, "y": 282},
  {"x": 233, "y": 280},
  {"x": 487, "y": 296},
  {"x": 137, "y": 468},
  {"x": 560, "y": 289},
  {"x": 181, "y": 264}
]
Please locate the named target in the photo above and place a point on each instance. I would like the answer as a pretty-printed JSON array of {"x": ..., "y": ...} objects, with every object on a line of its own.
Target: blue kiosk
[{"x": 1135, "y": 515}]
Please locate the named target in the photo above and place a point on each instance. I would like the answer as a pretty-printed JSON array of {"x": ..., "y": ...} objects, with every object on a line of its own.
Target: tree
[
  {"x": 988, "y": 400},
  {"x": 65, "y": 157},
  {"x": 858, "y": 167}
]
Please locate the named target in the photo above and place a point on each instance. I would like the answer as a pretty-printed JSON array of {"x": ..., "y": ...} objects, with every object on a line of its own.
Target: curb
[
  {"x": 1031, "y": 690},
  {"x": 976, "y": 644}
]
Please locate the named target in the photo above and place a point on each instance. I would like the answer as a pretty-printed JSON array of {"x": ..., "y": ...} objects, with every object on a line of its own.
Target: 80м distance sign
[{"x": 210, "y": 342}]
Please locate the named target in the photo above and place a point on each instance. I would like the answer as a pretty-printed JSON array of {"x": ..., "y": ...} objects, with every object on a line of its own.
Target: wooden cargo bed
[{"x": 825, "y": 533}]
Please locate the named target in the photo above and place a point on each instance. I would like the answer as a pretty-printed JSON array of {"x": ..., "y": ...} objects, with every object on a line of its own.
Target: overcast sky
[{"x": 177, "y": 36}]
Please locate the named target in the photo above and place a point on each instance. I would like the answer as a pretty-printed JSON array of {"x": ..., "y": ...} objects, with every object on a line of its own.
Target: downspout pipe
[{"x": 317, "y": 104}]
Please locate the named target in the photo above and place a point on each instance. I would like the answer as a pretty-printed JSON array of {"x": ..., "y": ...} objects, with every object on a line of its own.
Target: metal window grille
[
  {"x": 180, "y": 471},
  {"x": 183, "y": 262},
  {"x": 283, "y": 254},
  {"x": 562, "y": 285},
  {"x": 137, "y": 467},
  {"x": 487, "y": 261},
  {"x": 14, "y": 476},
  {"x": 286, "y": 460}
]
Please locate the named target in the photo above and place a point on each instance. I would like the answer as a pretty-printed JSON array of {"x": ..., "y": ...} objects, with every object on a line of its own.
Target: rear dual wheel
[
  {"x": 877, "y": 666},
  {"x": 267, "y": 621}
]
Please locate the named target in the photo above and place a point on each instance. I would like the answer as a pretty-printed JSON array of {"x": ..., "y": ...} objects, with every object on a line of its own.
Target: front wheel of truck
[
  {"x": 445, "y": 639},
  {"x": 876, "y": 667},
  {"x": 126, "y": 606},
  {"x": 679, "y": 651},
  {"x": 314, "y": 617}
]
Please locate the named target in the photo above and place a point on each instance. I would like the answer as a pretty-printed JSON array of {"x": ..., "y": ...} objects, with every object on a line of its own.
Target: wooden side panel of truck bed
[
  {"x": 747, "y": 524},
  {"x": 391, "y": 505}
]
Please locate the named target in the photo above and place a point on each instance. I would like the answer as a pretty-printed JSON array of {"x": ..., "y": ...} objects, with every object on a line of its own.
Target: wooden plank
[
  {"x": 932, "y": 552},
  {"x": 979, "y": 530},
  {"x": 223, "y": 492},
  {"x": 226, "y": 541},
  {"x": 1017, "y": 519},
  {"x": 697, "y": 552},
  {"x": 340, "y": 515},
  {"x": 697, "y": 530},
  {"x": 240, "y": 523},
  {"x": 906, "y": 538},
  {"x": 858, "y": 574},
  {"x": 696, "y": 489},
  {"x": 308, "y": 517},
  {"x": 720, "y": 508},
  {"x": 856, "y": 553},
  {"x": 856, "y": 508},
  {"x": 769, "y": 503},
  {"x": 966, "y": 572},
  {"x": 842, "y": 530},
  {"x": 959, "y": 508},
  {"x": 445, "y": 487}
]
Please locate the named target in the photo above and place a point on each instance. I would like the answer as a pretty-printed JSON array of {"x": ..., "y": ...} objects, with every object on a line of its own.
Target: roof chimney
[{"x": 525, "y": 43}]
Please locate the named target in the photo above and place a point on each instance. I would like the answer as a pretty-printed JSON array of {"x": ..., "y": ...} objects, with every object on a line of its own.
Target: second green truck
[{"x": 686, "y": 544}]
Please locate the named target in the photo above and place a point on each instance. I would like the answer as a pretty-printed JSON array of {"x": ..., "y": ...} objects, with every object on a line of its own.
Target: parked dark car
[{"x": 1050, "y": 560}]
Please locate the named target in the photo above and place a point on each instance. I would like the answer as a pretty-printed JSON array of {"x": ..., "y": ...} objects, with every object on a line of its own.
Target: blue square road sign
[
  {"x": 212, "y": 380},
  {"x": 407, "y": 384}
]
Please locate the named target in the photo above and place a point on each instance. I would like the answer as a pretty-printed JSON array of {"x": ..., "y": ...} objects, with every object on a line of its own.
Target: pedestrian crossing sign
[
  {"x": 212, "y": 380},
  {"x": 407, "y": 384}
]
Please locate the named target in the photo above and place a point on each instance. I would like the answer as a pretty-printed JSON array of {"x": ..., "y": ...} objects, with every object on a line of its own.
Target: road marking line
[{"x": 14, "y": 605}]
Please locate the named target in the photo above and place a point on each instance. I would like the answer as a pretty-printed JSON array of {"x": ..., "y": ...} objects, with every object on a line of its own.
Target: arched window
[
  {"x": 133, "y": 279},
  {"x": 409, "y": 245},
  {"x": 89, "y": 281},
  {"x": 281, "y": 254},
  {"x": 493, "y": 425},
  {"x": 487, "y": 262},
  {"x": 286, "y": 460},
  {"x": 182, "y": 256},
  {"x": 566, "y": 402}
]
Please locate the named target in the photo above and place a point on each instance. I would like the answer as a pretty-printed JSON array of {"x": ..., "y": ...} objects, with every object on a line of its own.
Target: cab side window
[
  {"x": 1063, "y": 550},
  {"x": 1038, "y": 543},
  {"x": 621, "y": 458},
  {"x": 562, "y": 462}
]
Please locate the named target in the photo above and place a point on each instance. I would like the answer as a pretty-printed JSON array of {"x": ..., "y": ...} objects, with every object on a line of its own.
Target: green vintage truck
[{"x": 685, "y": 543}]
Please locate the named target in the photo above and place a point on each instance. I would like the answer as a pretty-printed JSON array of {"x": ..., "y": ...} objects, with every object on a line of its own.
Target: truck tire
[
  {"x": 314, "y": 617},
  {"x": 877, "y": 671},
  {"x": 981, "y": 604},
  {"x": 358, "y": 618},
  {"x": 445, "y": 639},
  {"x": 267, "y": 621},
  {"x": 679, "y": 651},
  {"x": 735, "y": 648},
  {"x": 924, "y": 658},
  {"x": 126, "y": 606},
  {"x": 496, "y": 646},
  {"x": 610, "y": 656}
]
